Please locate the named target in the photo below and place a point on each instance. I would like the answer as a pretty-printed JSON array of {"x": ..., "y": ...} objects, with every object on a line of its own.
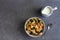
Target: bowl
[{"x": 34, "y": 27}]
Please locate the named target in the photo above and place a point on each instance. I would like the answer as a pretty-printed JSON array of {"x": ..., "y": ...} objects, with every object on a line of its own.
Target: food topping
[{"x": 35, "y": 26}]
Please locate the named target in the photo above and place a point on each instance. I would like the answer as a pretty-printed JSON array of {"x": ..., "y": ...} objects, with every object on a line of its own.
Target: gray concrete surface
[{"x": 13, "y": 14}]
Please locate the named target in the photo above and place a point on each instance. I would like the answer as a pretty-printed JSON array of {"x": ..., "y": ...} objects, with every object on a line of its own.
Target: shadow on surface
[
  {"x": 22, "y": 31},
  {"x": 38, "y": 12}
]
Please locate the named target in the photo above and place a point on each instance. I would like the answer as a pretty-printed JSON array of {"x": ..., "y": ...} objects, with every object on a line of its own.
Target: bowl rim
[{"x": 33, "y": 35}]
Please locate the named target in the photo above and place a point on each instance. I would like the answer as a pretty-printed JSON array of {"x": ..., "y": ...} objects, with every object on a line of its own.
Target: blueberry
[
  {"x": 32, "y": 28},
  {"x": 41, "y": 31},
  {"x": 31, "y": 20},
  {"x": 38, "y": 21},
  {"x": 31, "y": 33}
]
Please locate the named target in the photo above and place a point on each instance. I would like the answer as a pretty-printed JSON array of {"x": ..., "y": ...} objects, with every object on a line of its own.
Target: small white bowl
[{"x": 30, "y": 34}]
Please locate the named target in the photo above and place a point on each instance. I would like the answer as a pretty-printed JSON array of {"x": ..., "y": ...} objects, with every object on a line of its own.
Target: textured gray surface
[{"x": 13, "y": 14}]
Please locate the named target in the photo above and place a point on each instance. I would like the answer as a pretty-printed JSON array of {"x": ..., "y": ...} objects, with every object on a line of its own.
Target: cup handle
[{"x": 55, "y": 8}]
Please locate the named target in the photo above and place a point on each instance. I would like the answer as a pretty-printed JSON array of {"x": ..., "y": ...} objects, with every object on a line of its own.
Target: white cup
[{"x": 48, "y": 10}]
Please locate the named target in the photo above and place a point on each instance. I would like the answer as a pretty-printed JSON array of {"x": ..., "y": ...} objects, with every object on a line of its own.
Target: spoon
[{"x": 49, "y": 26}]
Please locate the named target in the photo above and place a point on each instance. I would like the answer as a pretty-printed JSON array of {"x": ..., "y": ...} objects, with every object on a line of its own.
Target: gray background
[{"x": 13, "y": 14}]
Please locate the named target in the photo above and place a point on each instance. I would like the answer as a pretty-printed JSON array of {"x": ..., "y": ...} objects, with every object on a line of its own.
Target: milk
[{"x": 46, "y": 11}]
